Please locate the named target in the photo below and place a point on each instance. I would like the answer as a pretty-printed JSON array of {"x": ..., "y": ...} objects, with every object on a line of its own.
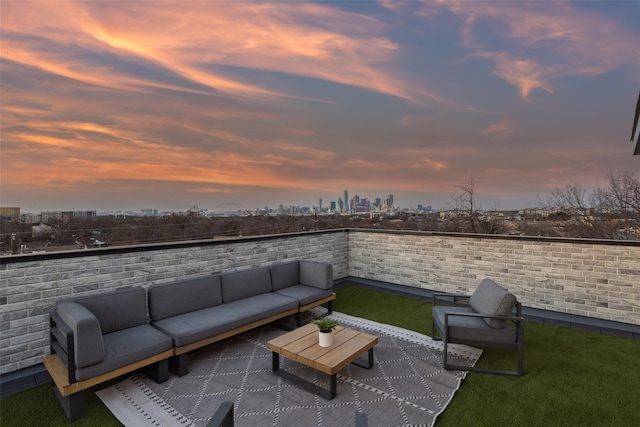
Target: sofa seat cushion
[
  {"x": 125, "y": 347},
  {"x": 192, "y": 327},
  {"x": 491, "y": 298},
  {"x": 305, "y": 294},
  {"x": 463, "y": 328}
]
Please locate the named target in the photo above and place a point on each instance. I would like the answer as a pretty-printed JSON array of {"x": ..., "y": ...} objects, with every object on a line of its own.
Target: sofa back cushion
[
  {"x": 285, "y": 275},
  {"x": 87, "y": 335},
  {"x": 183, "y": 296},
  {"x": 316, "y": 274},
  {"x": 119, "y": 309},
  {"x": 492, "y": 299},
  {"x": 246, "y": 283}
]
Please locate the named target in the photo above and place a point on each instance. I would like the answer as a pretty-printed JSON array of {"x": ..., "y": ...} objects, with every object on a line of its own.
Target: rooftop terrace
[{"x": 593, "y": 285}]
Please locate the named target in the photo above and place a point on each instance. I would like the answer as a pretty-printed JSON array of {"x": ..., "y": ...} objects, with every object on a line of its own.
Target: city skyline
[{"x": 240, "y": 105}]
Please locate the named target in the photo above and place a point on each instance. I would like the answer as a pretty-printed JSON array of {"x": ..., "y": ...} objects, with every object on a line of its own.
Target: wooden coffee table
[{"x": 302, "y": 346}]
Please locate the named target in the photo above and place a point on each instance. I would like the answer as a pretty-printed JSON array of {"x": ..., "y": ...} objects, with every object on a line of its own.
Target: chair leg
[
  {"x": 444, "y": 353},
  {"x": 520, "y": 359}
]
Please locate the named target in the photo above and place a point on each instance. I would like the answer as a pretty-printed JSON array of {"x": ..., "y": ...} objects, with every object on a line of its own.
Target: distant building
[
  {"x": 346, "y": 200},
  {"x": 635, "y": 132},
  {"x": 11, "y": 212}
]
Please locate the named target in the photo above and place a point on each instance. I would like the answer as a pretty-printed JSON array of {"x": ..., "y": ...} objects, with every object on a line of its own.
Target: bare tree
[
  {"x": 609, "y": 211},
  {"x": 619, "y": 201},
  {"x": 468, "y": 217}
]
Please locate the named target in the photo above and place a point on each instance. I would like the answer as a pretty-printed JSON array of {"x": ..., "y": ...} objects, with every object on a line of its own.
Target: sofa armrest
[
  {"x": 316, "y": 274},
  {"x": 87, "y": 335}
]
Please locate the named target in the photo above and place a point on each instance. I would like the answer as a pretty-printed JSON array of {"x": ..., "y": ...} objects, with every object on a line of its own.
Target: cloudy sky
[{"x": 239, "y": 104}]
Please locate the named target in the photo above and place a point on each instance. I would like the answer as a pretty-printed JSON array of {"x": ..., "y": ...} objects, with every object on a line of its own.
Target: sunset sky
[{"x": 127, "y": 105}]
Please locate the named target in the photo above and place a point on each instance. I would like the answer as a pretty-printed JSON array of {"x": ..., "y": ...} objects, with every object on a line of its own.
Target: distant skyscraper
[
  {"x": 390, "y": 200},
  {"x": 346, "y": 200}
]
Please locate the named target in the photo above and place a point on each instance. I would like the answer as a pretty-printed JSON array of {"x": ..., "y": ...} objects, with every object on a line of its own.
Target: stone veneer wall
[
  {"x": 31, "y": 284},
  {"x": 592, "y": 278},
  {"x": 599, "y": 279}
]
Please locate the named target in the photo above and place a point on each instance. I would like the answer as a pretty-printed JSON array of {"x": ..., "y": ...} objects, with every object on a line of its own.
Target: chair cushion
[
  {"x": 462, "y": 329},
  {"x": 175, "y": 298},
  {"x": 491, "y": 298}
]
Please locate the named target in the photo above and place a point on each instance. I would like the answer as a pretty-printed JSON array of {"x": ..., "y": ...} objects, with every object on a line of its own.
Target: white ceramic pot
[{"x": 326, "y": 339}]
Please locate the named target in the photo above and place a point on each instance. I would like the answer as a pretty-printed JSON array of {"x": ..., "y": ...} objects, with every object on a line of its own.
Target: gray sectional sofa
[
  {"x": 201, "y": 311},
  {"x": 100, "y": 337}
]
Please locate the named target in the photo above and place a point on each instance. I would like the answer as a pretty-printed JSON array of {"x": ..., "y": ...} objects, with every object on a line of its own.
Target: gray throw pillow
[{"x": 491, "y": 298}]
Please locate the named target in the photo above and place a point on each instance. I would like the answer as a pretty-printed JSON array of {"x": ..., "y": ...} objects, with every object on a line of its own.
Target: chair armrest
[
  {"x": 454, "y": 297},
  {"x": 515, "y": 318},
  {"x": 87, "y": 335},
  {"x": 485, "y": 316}
]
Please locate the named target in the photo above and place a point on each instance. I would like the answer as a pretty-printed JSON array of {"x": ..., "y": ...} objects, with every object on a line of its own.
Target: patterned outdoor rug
[{"x": 407, "y": 385}]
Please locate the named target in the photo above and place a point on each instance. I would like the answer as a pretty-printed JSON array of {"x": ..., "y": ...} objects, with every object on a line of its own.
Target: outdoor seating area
[
  {"x": 103, "y": 336},
  {"x": 579, "y": 350},
  {"x": 558, "y": 361}
]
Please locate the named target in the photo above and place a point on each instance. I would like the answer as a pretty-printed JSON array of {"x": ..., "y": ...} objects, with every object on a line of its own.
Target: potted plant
[{"x": 325, "y": 334}]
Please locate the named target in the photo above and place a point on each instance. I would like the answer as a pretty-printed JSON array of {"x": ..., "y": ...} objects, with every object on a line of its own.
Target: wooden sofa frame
[
  {"x": 61, "y": 368},
  {"x": 180, "y": 363}
]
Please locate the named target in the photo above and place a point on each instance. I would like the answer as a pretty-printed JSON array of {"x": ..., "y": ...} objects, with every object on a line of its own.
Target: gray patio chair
[{"x": 490, "y": 317}]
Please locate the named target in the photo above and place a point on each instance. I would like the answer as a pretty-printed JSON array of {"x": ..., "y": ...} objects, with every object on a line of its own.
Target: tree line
[{"x": 610, "y": 210}]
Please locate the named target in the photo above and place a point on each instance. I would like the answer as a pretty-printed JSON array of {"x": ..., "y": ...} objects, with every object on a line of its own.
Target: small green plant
[{"x": 325, "y": 324}]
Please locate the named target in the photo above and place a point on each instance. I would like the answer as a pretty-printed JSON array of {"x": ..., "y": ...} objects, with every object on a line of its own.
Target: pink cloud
[
  {"x": 503, "y": 129},
  {"x": 547, "y": 41},
  {"x": 311, "y": 40}
]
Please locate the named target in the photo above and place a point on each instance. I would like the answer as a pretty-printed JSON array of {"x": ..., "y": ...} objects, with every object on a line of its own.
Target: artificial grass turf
[{"x": 572, "y": 378}]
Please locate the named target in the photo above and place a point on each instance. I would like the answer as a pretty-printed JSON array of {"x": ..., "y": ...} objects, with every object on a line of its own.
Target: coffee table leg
[
  {"x": 333, "y": 386},
  {"x": 369, "y": 363},
  {"x": 301, "y": 382}
]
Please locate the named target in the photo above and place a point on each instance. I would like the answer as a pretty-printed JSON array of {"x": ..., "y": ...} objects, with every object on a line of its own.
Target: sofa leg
[
  {"x": 298, "y": 319},
  {"x": 158, "y": 372},
  {"x": 179, "y": 364},
  {"x": 71, "y": 405},
  {"x": 330, "y": 307}
]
